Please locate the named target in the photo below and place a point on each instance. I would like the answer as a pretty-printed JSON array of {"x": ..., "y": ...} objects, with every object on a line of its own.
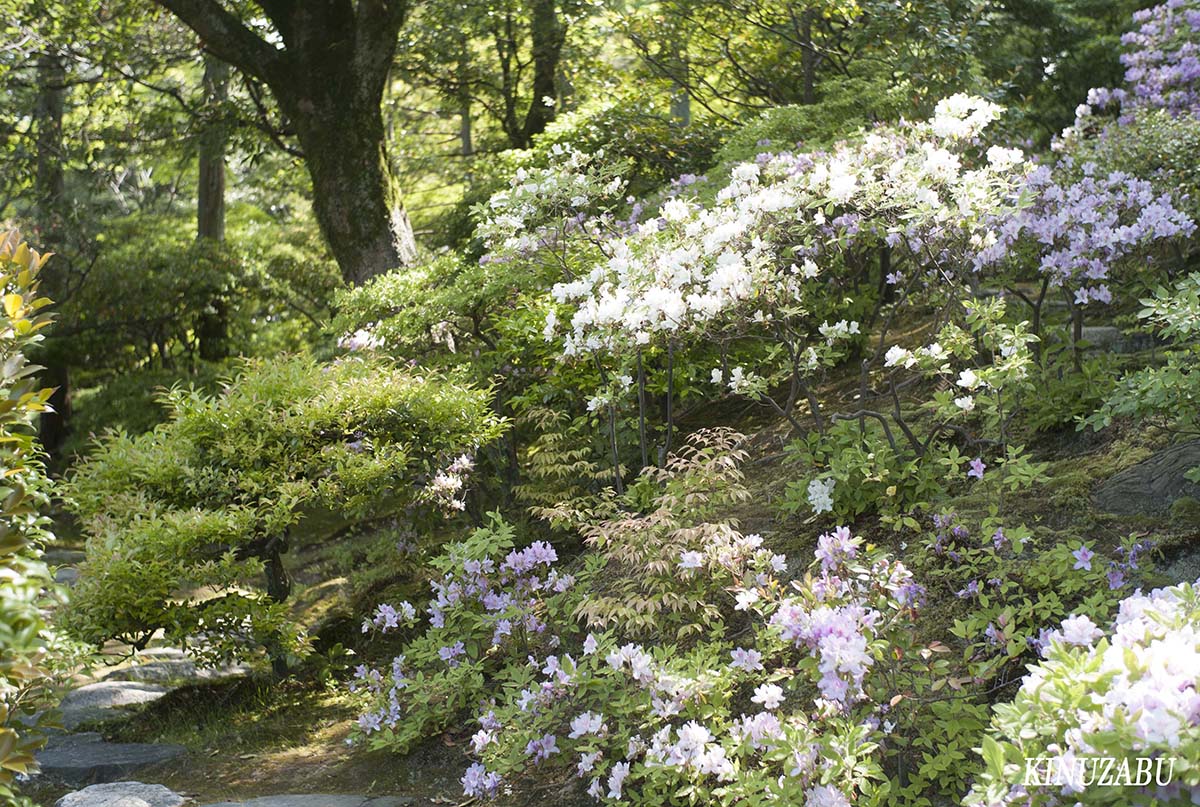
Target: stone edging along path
[{"x": 136, "y": 794}]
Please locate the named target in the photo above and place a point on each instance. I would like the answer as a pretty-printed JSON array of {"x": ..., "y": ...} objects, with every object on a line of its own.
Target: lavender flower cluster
[
  {"x": 1162, "y": 64},
  {"x": 625, "y": 713},
  {"x": 491, "y": 602},
  {"x": 1082, "y": 229}
]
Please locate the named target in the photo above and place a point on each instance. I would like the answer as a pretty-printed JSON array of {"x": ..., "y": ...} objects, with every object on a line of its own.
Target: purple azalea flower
[{"x": 1083, "y": 558}]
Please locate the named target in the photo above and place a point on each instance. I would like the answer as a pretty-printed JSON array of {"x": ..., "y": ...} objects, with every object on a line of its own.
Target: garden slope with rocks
[{"x": 847, "y": 473}]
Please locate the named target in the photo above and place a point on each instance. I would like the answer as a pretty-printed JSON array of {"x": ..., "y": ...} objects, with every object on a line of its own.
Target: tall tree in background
[
  {"x": 50, "y": 208},
  {"x": 328, "y": 73},
  {"x": 736, "y": 56},
  {"x": 210, "y": 201},
  {"x": 501, "y": 56}
]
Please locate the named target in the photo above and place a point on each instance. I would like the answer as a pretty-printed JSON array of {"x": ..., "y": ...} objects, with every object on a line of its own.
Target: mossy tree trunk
[
  {"x": 546, "y": 35},
  {"x": 355, "y": 195},
  {"x": 210, "y": 203},
  {"x": 50, "y": 190},
  {"x": 328, "y": 75}
]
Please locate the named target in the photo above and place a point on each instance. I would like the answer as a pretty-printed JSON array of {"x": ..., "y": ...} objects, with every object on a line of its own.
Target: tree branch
[{"x": 227, "y": 38}]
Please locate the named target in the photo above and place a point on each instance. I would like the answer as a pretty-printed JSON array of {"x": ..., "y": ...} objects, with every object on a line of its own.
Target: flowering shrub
[
  {"x": 1013, "y": 584},
  {"x": 751, "y": 255},
  {"x": 1125, "y": 695},
  {"x": 776, "y": 267},
  {"x": 1081, "y": 230},
  {"x": 543, "y": 206},
  {"x": 490, "y": 610},
  {"x": 1162, "y": 63},
  {"x": 720, "y": 721},
  {"x": 761, "y": 681}
]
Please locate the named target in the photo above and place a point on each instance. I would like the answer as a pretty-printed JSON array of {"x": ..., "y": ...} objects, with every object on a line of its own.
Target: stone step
[
  {"x": 105, "y": 700},
  {"x": 63, "y": 557},
  {"x": 122, "y": 794},
  {"x": 319, "y": 800},
  {"x": 66, "y": 576},
  {"x": 174, "y": 670},
  {"x": 86, "y": 758}
]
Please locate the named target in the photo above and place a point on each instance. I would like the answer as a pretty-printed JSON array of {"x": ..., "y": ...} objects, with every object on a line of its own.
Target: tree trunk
[
  {"x": 464, "y": 128},
  {"x": 681, "y": 105},
  {"x": 681, "y": 99},
  {"x": 279, "y": 588},
  {"x": 50, "y": 190},
  {"x": 355, "y": 196},
  {"x": 808, "y": 58},
  {"x": 213, "y": 330},
  {"x": 327, "y": 67},
  {"x": 546, "y": 36},
  {"x": 464, "y": 97}
]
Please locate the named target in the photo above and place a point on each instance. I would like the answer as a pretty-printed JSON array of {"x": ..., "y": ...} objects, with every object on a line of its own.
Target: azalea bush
[
  {"x": 897, "y": 460},
  {"x": 490, "y": 610},
  {"x": 781, "y": 264},
  {"x": 723, "y": 720},
  {"x": 719, "y": 712},
  {"x": 181, "y": 520},
  {"x": 1125, "y": 694},
  {"x": 681, "y": 658}
]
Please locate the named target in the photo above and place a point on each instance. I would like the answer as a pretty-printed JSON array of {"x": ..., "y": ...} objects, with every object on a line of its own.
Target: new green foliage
[
  {"x": 182, "y": 520},
  {"x": 25, "y": 679}
]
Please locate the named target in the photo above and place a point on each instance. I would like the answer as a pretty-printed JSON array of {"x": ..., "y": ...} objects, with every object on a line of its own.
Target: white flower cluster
[
  {"x": 820, "y": 495},
  {"x": 362, "y": 339},
  {"x": 1008, "y": 344},
  {"x": 1133, "y": 693},
  {"x": 447, "y": 485},
  {"x": 530, "y": 213},
  {"x": 740, "y": 382},
  {"x": 961, "y": 116},
  {"x": 685, "y": 270}
]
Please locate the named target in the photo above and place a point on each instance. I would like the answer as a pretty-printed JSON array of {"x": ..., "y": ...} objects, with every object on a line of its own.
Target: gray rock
[
  {"x": 1184, "y": 567},
  {"x": 85, "y": 759},
  {"x": 1152, "y": 485},
  {"x": 63, "y": 557},
  {"x": 66, "y": 576},
  {"x": 174, "y": 670},
  {"x": 122, "y": 794},
  {"x": 157, "y": 672},
  {"x": 1108, "y": 339},
  {"x": 320, "y": 800},
  {"x": 105, "y": 700}
]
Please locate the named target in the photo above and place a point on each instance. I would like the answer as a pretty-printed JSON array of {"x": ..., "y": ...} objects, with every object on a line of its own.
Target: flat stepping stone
[
  {"x": 172, "y": 670},
  {"x": 63, "y": 557},
  {"x": 319, "y": 800},
  {"x": 85, "y": 759},
  {"x": 1152, "y": 485},
  {"x": 66, "y": 576},
  {"x": 105, "y": 700},
  {"x": 122, "y": 794}
]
